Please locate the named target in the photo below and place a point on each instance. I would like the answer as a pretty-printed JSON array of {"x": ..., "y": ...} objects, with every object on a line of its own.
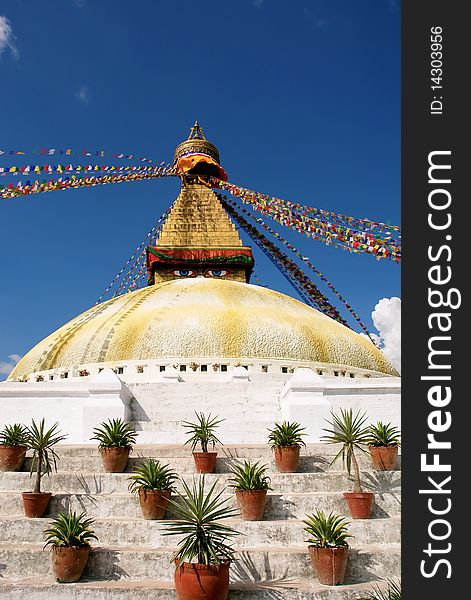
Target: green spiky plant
[
  {"x": 14, "y": 435},
  {"x": 392, "y": 592},
  {"x": 115, "y": 433},
  {"x": 206, "y": 540},
  {"x": 151, "y": 475},
  {"x": 286, "y": 434},
  {"x": 249, "y": 476},
  {"x": 349, "y": 430},
  {"x": 383, "y": 434},
  {"x": 42, "y": 442},
  {"x": 202, "y": 431},
  {"x": 326, "y": 531},
  {"x": 70, "y": 530}
]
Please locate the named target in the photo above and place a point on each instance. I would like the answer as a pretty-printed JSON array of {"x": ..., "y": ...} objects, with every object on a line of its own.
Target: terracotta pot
[
  {"x": 114, "y": 459},
  {"x": 68, "y": 562},
  {"x": 252, "y": 504},
  {"x": 12, "y": 457},
  {"x": 202, "y": 582},
  {"x": 384, "y": 458},
  {"x": 205, "y": 462},
  {"x": 359, "y": 504},
  {"x": 35, "y": 503},
  {"x": 287, "y": 458},
  {"x": 329, "y": 564},
  {"x": 153, "y": 503}
]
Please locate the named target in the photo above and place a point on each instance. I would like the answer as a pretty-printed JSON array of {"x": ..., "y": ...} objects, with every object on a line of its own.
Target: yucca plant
[
  {"x": 70, "y": 530},
  {"x": 286, "y": 434},
  {"x": 151, "y": 475},
  {"x": 202, "y": 431},
  {"x": 205, "y": 538},
  {"x": 249, "y": 476},
  {"x": 115, "y": 433},
  {"x": 13, "y": 447},
  {"x": 42, "y": 442},
  {"x": 14, "y": 435},
  {"x": 349, "y": 430},
  {"x": 383, "y": 435},
  {"x": 392, "y": 592},
  {"x": 69, "y": 536},
  {"x": 326, "y": 531},
  {"x": 328, "y": 547}
]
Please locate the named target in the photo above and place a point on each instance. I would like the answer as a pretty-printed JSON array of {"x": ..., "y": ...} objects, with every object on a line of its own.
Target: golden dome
[{"x": 205, "y": 318}]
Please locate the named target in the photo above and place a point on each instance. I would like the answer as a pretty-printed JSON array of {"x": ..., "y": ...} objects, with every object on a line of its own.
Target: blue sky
[{"x": 302, "y": 99}]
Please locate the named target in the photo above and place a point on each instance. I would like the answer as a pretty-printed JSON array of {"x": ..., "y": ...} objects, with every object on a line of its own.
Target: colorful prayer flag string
[
  {"x": 26, "y": 170},
  {"x": 290, "y": 270},
  {"x": 382, "y": 246},
  {"x": 74, "y": 182},
  {"x": 83, "y": 152},
  {"x": 329, "y": 215},
  {"x": 225, "y": 200},
  {"x": 140, "y": 253}
]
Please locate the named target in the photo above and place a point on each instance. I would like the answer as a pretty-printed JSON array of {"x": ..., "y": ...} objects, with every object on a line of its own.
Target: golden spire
[
  {"x": 198, "y": 219},
  {"x": 198, "y": 237}
]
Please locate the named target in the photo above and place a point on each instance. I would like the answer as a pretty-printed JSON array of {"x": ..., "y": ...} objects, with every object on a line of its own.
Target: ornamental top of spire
[
  {"x": 197, "y": 156},
  {"x": 196, "y": 133}
]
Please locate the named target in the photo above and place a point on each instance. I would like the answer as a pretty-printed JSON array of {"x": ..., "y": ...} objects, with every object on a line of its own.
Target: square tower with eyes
[{"x": 198, "y": 239}]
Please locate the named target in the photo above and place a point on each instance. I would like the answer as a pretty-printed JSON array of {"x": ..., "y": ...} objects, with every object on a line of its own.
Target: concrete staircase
[{"x": 131, "y": 559}]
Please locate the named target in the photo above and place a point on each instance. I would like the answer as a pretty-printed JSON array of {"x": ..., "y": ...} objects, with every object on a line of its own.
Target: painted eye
[
  {"x": 184, "y": 273},
  {"x": 216, "y": 272}
]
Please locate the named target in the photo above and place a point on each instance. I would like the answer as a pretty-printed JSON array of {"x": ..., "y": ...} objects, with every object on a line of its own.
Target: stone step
[
  {"x": 182, "y": 460},
  {"x": 273, "y": 564},
  {"x": 255, "y": 451},
  {"x": 136, "y": 532},
  {"x": 279, "y": 506},
  {"x": 126, "y": 589},
  {"x": 106, "y": 483}
]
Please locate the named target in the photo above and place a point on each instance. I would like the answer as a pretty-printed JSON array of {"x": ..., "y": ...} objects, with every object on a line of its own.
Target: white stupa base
[{"x": 248, "y": 405}]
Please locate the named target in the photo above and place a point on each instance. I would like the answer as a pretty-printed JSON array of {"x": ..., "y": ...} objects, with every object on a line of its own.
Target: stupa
[{"x": 199, "y": 337}]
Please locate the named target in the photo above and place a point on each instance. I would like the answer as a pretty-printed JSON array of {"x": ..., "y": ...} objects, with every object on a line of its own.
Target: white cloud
[
  {"x": 387, "y": 320},
  {"x": 8, "y": 366},
  {"x": 7, "y": 39},
  {"x": 83, "y": 94},
  {"x": 257, "y": 3}
]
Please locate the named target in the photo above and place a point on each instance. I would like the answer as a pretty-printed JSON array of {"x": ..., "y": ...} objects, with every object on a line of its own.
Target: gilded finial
[
  {"x": 196, "y": 158},
  {"x": 196, "y": 133}
]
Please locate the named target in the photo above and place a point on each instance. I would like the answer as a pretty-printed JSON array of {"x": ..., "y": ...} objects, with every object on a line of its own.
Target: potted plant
[
  {"x": 153, "y": 484},
  {"x": 251, "y": 485},
  {"x": 202, "y": 432},
  {"x": 383, "y": 443},
  {"x": 42, "y": 444},
  {"x": 204, "y": 552},
  {"x": 69, "y": 536},
  {"x": 116, "y": 439},
  {"x": 285, "y": 440},
  {"x": 392, "y": 592},
  {"x": 328, "y": 548},
  {"x": 348, "y": 430},
  {"x": 13, "y": 447}
]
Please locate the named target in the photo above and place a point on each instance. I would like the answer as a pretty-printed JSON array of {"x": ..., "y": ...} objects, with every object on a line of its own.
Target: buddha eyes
[
  {"x": 215, "y": 272},
  {"x": 194, "y": 273},
  {"x": 184, "y": 273}
]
